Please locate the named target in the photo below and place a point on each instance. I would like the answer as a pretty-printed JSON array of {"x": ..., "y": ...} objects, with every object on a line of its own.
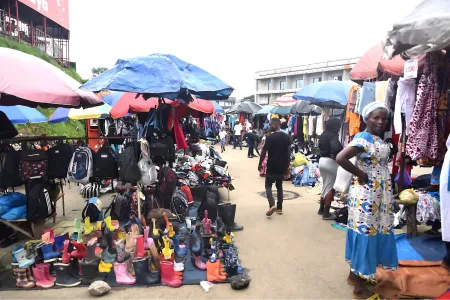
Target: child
[{"x": 222, "y": 137}]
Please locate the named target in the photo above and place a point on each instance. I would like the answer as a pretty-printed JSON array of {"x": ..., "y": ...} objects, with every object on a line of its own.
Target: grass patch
[{"x": 68, "y": 128}]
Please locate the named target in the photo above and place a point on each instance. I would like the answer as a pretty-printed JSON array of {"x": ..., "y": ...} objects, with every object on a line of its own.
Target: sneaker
[
  {"x": 271, "y": 211},
  {"x": 279, "y": 211}
]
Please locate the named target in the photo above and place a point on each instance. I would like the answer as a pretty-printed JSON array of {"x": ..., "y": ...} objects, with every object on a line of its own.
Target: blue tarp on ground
[{"x": 425, "y": 248}]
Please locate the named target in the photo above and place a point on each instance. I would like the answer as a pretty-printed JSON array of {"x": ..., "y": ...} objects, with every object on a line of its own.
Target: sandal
[{"x": 373, "y": 297}]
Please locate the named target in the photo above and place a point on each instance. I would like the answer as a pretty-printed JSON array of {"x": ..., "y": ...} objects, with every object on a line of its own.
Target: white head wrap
[{"x": 371, "y": 107}]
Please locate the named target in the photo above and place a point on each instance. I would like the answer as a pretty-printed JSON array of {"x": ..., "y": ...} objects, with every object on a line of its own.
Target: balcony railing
[{"x": 32, "y": 36}]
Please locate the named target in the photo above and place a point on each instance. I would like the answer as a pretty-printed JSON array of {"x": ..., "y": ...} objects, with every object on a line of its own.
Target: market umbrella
[
  {"x": 425, "y": 29},
  {"x": 375, "y": 64},
  {"x": 244, "y": 107},
  {"x": 160, "y": 75},
  {"x": 109, "y": 97},
  {"x": 331, "y": 93},
  {"x": 285, "y": 100},
  {"x": 264, "y": 110},
  {"x": 19, "y": 114},
  {"x": 305, "y": 108},
  {"x": 281, "y": 110},
  {"x": 217, "y": 107},
  {"x": 30, "y": 81},
  {"x": 63, "y": 114}
]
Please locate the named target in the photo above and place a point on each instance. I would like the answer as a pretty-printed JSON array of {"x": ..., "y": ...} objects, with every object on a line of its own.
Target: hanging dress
[
  {"x": 370, "y": 237},
  {"x": 422, "y": 135}
]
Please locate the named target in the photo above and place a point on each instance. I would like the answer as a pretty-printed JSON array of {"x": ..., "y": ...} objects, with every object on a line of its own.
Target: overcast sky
[{"x": 231, "y": 39}]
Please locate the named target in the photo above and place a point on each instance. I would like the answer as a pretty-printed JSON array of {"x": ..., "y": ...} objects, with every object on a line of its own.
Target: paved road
[{"x": 293, "y": 256}]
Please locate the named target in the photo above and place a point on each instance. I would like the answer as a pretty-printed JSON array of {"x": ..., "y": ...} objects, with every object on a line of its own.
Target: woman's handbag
[{"x": 343, "y": 178}]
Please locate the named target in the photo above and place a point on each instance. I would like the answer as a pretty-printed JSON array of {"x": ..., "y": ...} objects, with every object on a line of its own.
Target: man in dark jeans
[
  {"x": 277, "y": 146},
  {"x": 252, "y": 140}
]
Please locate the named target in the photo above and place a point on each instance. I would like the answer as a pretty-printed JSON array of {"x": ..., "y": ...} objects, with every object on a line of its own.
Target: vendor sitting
[{"x": 428, "y": 209}]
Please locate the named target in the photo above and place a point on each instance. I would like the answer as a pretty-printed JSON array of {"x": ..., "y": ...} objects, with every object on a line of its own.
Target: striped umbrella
[
  {"x": 62, "y": 114},
  {"x": 285, "y": 100}
]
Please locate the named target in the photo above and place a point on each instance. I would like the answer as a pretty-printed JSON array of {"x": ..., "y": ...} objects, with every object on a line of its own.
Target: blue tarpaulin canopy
[
  {"x": 332, "y": 93},
  {"x": 19, "y": 114},
  {"x": 160, "y": 75}
]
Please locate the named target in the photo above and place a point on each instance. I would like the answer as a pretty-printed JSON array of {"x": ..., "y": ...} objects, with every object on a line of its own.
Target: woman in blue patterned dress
[{"x": 370, "y": 238}]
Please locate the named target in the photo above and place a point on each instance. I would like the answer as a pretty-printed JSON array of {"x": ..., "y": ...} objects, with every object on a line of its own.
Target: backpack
[
  {"x": 7, "y": 129},
  {"x": 168, "y": 180},
  {"x": 33, "y": 164},
  {"x": 92, "y": 209},
  {"x": 162, "y": 147},
  {"x": 59, "y": 158},
  {"x": 187, "y": 190},
  {"x": 9, "y": 169},
  {"x": 81, "y": 165},
  {"x": 105, "y": 163},
  {"x": 179, "y": 203},
  {"x": 128, "y": 168},
  {"x": 90, "y": 190},
  {"x": 119, "y": 209},
  {"x": 149, "y": 173},
  {"x": 39, "y": 205}
]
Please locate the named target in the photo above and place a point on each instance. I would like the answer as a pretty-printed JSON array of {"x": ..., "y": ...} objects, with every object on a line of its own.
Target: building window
[
  {"x": 283, "y": 85},
  {"x": 299, "y": 83},
  {"x": 339, "y": 78},
  {"x": 269, "y": 86},
  {"x": 317, "y": 79}
]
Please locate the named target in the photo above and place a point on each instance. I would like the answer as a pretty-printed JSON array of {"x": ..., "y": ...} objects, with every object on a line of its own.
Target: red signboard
[{"x": 56, "y": 10}]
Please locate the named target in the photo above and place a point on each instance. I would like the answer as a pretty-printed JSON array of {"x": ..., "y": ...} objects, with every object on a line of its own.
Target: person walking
[
  {"x": 277, "y": 147},
  {"x": 222, "y": 137},
  {"x": 370, "y": 237},
  {"x": 252, "y": 142},
  {"x": 329, "y": 147},
  {"x": 237, "y": 135}
]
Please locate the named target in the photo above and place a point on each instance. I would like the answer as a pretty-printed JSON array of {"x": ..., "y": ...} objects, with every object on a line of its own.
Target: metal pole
[
  {"x": 32, "y": 33},
  {"x": 9, "y": 18},
  {"x": 68, "y": 48},
  {"x": 17, "y": 20},
  {"x": 45, "y": 34}
]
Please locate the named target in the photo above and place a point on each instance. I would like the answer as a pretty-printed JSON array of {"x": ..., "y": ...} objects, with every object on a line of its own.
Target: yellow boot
[
  {"x": 108, "y": 223},
  {"x": 166, "y": 251},
  {"x": 171, "y": 231},
  {"x": 104, "y": 267},
  {"x": 87, "y": 226}
]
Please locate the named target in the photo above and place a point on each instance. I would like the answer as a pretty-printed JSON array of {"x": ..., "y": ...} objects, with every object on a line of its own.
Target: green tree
[{"x": 97, "y": 71}]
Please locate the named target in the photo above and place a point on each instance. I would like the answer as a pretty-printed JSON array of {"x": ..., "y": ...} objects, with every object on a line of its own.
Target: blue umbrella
[
  {"x": 19, "y": 114},
  {"x": 326, "y": 93},
  {"x": 264, "y": 111},
  {"x": 110, "y": 98},
  {"x": 217, "y": 107},
  {"x": 160, "y": 75}
]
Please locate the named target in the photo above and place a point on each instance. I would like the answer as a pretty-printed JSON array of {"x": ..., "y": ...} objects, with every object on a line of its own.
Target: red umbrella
[
  {"x": 128, "y": 103},
  {"x": 374, "y": 65},
  {"x": 30, "y": 81}
]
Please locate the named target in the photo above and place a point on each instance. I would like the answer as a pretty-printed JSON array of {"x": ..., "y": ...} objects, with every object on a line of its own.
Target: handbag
[{"x": 343, "y": 178}]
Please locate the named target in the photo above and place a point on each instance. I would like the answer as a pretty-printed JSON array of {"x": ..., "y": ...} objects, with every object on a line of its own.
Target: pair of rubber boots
[
  {"x": 215, "y": 272},
  {"x": 66, "y": 274},
  {"x": 42, "y": 276},
  {"x": 78, "y": 253},
  {"x": 24, "y": 278},
  {"x": 227, "y": 213},
  {"x": 169, "y": 276}
]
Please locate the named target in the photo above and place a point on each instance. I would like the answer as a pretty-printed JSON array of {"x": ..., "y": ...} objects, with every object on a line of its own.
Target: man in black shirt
[
  {"x": 252, "y": 140},
  {"x": 277, "y": 146}
]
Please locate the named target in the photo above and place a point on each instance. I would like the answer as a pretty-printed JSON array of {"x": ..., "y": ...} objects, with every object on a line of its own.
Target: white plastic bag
[
  {"x": 149, "y": 173},
  {"x": 343, "y": 178}
]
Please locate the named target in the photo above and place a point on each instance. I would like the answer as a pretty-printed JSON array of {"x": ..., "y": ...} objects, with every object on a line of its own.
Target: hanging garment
[
  {"x": 180, "y": 139},
  {"x": 319, "y": 125},
  {"x": 358, "y": 101},
  {"x": 367, "y": 95},
  {"x": 404, "y": 103},
  {"x": 311, "y": 126},
  {"x": 444, "y": 193},
  {"x": 390, "y": 94},
  {"x": 352, "y": 101},
  {"x": 305, "y": 130},
  {"x": 380, "y": 91},
  {"x": 296, "y": 125},
  {"x": 423, "y": 136}
]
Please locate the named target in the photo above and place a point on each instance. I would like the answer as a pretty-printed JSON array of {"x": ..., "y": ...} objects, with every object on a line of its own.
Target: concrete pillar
[{"x": 325, "y": 76}]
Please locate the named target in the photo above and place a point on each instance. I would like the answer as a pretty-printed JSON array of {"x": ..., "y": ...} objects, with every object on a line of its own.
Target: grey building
[
  {"x": 226, "y": 104},
  {"x": 271, "y": 84}
]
